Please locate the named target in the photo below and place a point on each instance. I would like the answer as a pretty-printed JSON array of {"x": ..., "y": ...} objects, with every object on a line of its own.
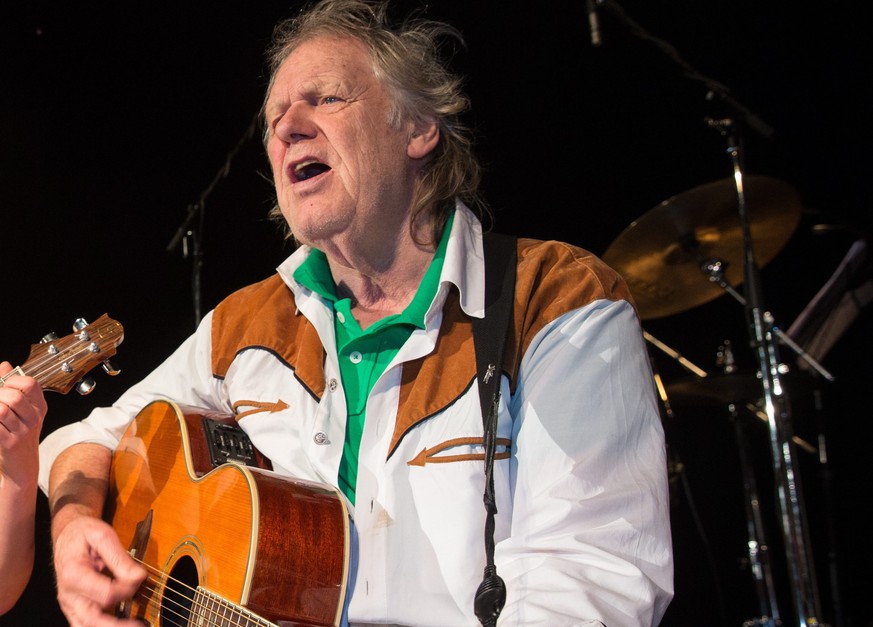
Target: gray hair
[{"x": 406, "y": 59}]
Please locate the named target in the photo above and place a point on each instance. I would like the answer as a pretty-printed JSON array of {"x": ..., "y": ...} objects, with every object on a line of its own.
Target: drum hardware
[
  {"x": 665, "y": 254},
  {"x": 725, "y": 359},
  {"x": 731, "y": 389},
  {"x": 758, "y": 546},
  {"x": 714, "y": 269},
  {"x": 675, "y": 467},
  {"x": 687, "y": 251},
  {"x": 674, "y": 354},
  {"x": 762, "y": 335},
  {"x": 740, "y": 389},
  {"x": 666, "y": 279}
]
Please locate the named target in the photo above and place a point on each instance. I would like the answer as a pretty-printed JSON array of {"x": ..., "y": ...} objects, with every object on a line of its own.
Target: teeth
[{"x": 300, "y": 166}]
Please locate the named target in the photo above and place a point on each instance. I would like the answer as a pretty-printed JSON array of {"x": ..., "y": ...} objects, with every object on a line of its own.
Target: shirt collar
[
  {"x": 313, "y": 273},
  {"x": 463, "y": 267}
]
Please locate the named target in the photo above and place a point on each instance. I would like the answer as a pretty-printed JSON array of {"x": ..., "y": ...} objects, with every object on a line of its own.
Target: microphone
[{"x": 593, "y": 23}]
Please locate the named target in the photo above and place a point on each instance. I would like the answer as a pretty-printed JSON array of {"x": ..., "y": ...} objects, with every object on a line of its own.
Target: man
[
  {"x": 22, "y": 411},
  {"x": 353, "y": 366}
]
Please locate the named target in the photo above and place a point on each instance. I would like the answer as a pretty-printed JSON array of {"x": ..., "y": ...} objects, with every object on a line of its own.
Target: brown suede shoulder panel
[
  {"x": 553, "y": 278},
  {"x": 264, "y": 315}
]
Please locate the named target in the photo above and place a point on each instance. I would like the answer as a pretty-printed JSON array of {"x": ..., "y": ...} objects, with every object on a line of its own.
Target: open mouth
[{"x": 309, "y": 169}]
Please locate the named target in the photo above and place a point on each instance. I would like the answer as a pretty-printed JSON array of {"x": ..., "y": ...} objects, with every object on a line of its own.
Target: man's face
[{"x": 340, "y": 169}]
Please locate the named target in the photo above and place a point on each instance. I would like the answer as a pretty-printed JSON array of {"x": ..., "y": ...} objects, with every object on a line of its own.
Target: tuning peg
[
  {"x": 85, "y": 386},
  {"x": 109, "y": 369},
  {"x": 79, "y": 324},
  {"x": 49, "y": 337}
]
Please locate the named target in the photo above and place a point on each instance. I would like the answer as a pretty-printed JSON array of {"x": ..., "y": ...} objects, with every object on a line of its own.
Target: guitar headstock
[{"x": 61, "y": 363}]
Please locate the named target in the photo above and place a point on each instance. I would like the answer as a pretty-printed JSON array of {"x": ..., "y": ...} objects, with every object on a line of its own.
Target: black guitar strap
[{"x": 489, "y": 337}]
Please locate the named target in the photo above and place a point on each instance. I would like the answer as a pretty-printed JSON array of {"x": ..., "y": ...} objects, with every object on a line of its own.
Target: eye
[{"x": 331, "y": 100}]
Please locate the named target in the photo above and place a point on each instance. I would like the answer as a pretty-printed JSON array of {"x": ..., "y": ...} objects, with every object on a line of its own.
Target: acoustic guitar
[
  {"x": 58, "y": 364},
  {"x": 226, "y": 541}
]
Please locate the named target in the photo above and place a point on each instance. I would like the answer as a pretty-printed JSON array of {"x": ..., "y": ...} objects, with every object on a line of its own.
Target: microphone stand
[
  {"x": 776, "y": 405},
  {"x": 186, "y": 232},
  {"x": 715, "y": 88}
]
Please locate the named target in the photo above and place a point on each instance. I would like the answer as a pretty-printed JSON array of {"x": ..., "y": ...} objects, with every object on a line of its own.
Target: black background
[{"x": 115, "y": 119}]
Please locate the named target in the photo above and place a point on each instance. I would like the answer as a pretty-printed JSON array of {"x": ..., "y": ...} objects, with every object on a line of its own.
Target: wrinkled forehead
[
  {"x": 326, "y": 63},
  {"x": 326, "y": 52},
  {"x": 324, "y": 58}
]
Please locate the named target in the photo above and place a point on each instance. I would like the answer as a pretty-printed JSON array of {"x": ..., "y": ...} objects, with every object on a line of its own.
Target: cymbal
[
  {"x": 736, "y": 387},
  {"x": 742, "y": 388},
  {"x": 660, "y": 255}
]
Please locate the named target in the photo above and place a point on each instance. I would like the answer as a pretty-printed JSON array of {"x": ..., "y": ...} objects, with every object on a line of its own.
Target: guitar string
[
  {"x": 15, "y": 371},
  {"x": 46, "y": 369},
  {"x": 202, "y": 610},
  {"x": 165, "y": 605},
  {"x": 195, "y": 603},
  {"x": 99, "y": 330},
  {"x": 48, "y": 362},
  {"x": 169, "y": 621}
]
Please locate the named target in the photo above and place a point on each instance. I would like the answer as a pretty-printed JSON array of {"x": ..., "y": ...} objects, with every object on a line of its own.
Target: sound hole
[{"x": 179, "y": 593}]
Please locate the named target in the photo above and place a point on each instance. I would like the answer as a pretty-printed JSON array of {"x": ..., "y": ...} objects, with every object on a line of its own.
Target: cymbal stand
[
  {"x": 758, "y": 547},
  {"x": 791, "y": 502},
  {"x": 714, "y": 269}
]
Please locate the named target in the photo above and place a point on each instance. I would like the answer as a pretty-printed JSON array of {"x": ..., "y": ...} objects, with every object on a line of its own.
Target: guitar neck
[
  {"x": 59, "y": 364},
  {"x": 15, "y": 371},
  {"x": 210, "y": 609}
]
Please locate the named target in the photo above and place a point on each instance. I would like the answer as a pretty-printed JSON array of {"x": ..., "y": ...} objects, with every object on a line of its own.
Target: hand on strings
[{"x": 94, "y": 572}]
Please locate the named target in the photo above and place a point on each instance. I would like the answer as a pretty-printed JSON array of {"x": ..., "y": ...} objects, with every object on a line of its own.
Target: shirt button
[
  {"x": 340, "y": 317},
  {"x": 320, "y": 438},
  {"x": 355, "y": 357},
  {"x": 332, "y": 385}
]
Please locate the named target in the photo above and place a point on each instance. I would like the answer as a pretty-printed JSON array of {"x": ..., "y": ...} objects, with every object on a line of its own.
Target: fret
[
  {"x": 17, "y": 370},
  {"x": 214, "y": 611},
  {"x": 199, "y": 610}
]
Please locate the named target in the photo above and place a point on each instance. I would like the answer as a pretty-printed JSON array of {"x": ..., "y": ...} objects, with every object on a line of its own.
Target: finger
[
  {"x": 82, "y": 564},
  {"x": 85, "y": 613},
  {"x": 23, "y": 397},
  {"x": 30, "y": 389},
  {"x": 85, "y": 593},
  {"x": 116, "y": 559},
  {"x": 17, "y": 416}
]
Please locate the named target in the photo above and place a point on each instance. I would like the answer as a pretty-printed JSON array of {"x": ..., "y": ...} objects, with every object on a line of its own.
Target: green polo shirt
[{"x": 365, "y": 353}]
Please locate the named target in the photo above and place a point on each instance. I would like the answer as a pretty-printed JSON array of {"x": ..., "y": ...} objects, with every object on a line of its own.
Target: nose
[{"x": 296, "y": 123}]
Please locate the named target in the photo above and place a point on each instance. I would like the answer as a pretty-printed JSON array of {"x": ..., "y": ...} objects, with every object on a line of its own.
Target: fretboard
[{"x": 210, "y": 610}]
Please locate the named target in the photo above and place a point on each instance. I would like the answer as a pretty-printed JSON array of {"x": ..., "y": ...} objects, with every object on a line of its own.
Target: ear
[{"x": 423, "y": 139}]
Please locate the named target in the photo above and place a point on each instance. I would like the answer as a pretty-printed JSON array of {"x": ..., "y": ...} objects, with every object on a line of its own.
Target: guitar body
[{"x": 230, "y": 541}]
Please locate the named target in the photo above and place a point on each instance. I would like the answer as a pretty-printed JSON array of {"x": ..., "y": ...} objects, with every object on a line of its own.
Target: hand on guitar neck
[
  {"x": 22, "y": 411},
  {"x": 55, "y": 364}
]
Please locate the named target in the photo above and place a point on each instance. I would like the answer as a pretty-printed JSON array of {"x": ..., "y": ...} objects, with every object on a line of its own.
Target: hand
[
  {"x": 22, "y": 411},
  {"x": 94, "y": 572}
]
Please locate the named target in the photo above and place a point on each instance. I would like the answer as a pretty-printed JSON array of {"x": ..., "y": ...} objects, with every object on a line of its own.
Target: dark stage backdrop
[{"x": 116, "y": 118}]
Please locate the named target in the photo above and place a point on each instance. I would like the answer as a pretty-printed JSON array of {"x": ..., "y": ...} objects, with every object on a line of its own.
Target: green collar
[{"x": 314, "y": 273}]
